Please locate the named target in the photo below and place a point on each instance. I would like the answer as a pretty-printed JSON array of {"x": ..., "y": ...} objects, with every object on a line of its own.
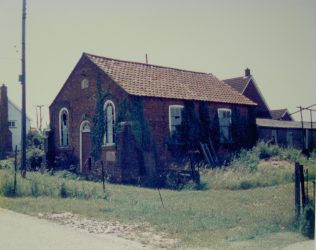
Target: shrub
[
  {"x": 7, "y": 187},
  {"x": 307, "y": 221},
  {"x": 34, "y": 158},
  {"x": 6, "y": 164},
  {"x": 63, "y": 193}
]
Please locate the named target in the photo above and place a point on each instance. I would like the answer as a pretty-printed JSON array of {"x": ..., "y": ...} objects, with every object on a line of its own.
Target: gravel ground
[{"x": 19, "y": 231}]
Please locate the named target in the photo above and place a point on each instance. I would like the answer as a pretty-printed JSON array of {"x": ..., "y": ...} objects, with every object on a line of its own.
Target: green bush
[
  {"x": 7, "y": 186},
  {"x": 6, "y": 164},
  {"x": 34, "y": 158},
  {"x": 307, "y": 221}
]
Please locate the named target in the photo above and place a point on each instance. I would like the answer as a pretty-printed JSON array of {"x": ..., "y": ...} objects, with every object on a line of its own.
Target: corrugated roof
[
  {"x": 157, "y": 81},
  {"x": 283, "y": 124},
  {"x": 238, "y": 83}
]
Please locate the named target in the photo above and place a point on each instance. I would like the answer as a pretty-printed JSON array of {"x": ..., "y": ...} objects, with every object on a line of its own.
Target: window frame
[
  {"x": 84, "y": 83},
  {"x": 61, "y": 112},
  {"x": 107, "y": 144},
  {"x": 221, "y": 126},
  {"x": 12, "y": 124},
  {"x": 169, "y": 115}
]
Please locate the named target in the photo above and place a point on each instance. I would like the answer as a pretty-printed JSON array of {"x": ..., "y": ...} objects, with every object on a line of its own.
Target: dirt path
[{"x": 19, "y": 231}]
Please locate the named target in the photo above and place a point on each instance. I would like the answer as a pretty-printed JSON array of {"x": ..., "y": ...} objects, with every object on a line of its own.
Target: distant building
[
  {"x": 287, "y": 133},
  {"x": 247, "y": 86},
  {"x": 281, "y": 114},
  {"x": 5, "y": 134},
  {"x": 10, "y": 122},
  {"x": 15, "y": 124}
]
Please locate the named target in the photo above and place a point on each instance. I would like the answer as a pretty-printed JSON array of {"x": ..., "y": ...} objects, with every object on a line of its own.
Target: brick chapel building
[{"x": 163, "y": 91}]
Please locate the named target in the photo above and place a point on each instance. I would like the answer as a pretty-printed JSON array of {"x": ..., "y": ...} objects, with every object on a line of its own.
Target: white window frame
[
  {"x": 170, "y": 107},
  {"x": 62, "y": 110},
  {"x": 12, "y": 124},
  {"x": 109, "y": 102},
  {"x": 221, "y": 126},
  {"x": 85, "y": 83}
]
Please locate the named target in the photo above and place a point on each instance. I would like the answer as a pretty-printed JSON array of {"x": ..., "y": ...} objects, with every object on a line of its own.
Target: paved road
[
  {"x": 304, "y": 245},
  {"x": 19, "y": 231}
]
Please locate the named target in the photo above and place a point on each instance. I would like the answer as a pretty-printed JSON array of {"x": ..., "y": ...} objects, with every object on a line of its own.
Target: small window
[
  {"x": 225, "y": 125},
  {"x": 12, "y": 124},
  {"x": 85, "y": 83},
  {"x": 175, "y": 117}
]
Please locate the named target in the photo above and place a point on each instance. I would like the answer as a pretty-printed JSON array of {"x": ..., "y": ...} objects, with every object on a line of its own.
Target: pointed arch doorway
[{"x": 85, "y": 146}]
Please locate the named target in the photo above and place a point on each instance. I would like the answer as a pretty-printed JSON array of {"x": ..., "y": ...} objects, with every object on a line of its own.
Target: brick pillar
[{"x": 5, "y": 134}]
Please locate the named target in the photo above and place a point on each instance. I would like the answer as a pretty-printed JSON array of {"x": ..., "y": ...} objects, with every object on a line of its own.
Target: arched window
[
  {"x": 64, "y": 127},
  {"x": 109, "y": 112}
]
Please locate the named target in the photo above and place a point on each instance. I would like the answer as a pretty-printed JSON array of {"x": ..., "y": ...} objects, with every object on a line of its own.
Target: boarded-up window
[
  {"x": 225, "y": 125},
  {"x": 175, "y": 117}
]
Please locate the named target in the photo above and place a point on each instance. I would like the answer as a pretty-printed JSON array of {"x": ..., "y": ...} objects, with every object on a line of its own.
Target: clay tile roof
[
  {"x": 278, "y": 113},
  {"x": 238, "y": 83},
  {"x": 156, "y": 81}
]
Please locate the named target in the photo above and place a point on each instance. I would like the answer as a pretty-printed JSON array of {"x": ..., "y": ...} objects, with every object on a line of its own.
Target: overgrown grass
[
  {"x": 262, "y": 166},
  {"x": 200, "y": 219},
  {"x": 62, "y": 185},
  {"x": 229, "y": 214}
]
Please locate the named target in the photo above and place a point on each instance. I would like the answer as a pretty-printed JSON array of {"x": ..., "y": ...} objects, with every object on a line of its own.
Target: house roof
[
  {"x": 157, "y": 81},
  {"x": 278, "y": 113},
  {"x": 17, "y": 108},
  {"x": 238, "y": 83},
  {"x": 283, "y": 124}
]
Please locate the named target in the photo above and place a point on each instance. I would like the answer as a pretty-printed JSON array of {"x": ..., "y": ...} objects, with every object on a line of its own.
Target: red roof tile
[{"x": 157, "y": 81}]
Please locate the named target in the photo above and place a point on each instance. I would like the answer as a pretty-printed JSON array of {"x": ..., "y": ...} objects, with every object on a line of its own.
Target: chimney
[
  {"x": 247, "y": 72},
  {"x": 5, "y": 134}
]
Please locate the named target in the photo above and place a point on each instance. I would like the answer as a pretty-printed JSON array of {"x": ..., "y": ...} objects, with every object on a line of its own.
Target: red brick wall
[
  {"x": 81, "y": 104},
  {"x": 6, "y": 136},
  {"x": 157, "y": 113}
]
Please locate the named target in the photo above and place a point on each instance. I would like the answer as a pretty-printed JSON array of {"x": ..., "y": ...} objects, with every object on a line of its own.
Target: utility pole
[
  {"x": 36, "y": 117},
  {"x": 23, "y": 146},
  {"x": 40, "y": 115}
]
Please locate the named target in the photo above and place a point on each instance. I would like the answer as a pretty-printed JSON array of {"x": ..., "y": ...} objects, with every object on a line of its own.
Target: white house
[{"x": 15, "y": 124}]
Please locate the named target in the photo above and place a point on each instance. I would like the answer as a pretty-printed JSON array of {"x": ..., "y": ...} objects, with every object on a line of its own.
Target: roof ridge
[
  {"x": 147, "y": 64},
  {"x": 238, "y": 77}
]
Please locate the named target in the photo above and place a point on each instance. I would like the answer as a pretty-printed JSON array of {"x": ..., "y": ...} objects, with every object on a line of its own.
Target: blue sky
[{"x": 275, "y": 39}]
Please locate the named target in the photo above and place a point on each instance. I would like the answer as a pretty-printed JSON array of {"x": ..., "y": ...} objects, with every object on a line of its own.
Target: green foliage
[
  {"x": 6, "y": 164},
  {"x": 34, "y": 158},
  {"x": 132, "y": 110},
  {"x": 35, "y": 139},
  {"x": 57, "y": 185},
  {"x": 190, "y": 128},
  {"x": 307, "y": 221},
  {"x": 251, "y": 168},
  {"x": 98, "y": 128}
]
